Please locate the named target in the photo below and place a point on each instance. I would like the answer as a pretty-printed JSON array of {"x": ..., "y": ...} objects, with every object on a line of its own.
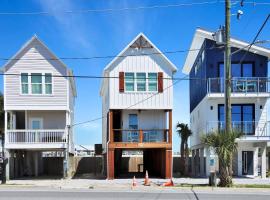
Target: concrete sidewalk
[{"x": 120, "y": 183}]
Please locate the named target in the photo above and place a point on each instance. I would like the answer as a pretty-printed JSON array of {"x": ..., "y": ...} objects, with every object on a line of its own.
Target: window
[
  {"x": 243, "y": 116},
  {"x": 133, "y": 136},
  {"x": 152, "y": 81},
  {"x": 36, "y": 83},
  {"x": 48, "y": 83},
  {"x": 24, "y": 83},
  {"x": 133, "y": 121},
  {"x": 141, "y": 82},
  {"x": 238, "y": 70},
  {"x": 129, "y": 81}
]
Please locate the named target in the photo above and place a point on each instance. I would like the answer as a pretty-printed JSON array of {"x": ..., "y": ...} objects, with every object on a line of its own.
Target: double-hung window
[
  {"x": 152, "y": 81},
  {"x": 48, "y": 83},
  {"x": 141, "y": 81},
  {"x": 36, "y": 83},
  {"x": 24, "y": 83},
  {"x": 129, "y": 81}
]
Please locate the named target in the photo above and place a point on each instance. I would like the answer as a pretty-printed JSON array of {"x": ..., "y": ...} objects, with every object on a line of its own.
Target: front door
[
  {"x": 133, "y": 136},
  {"x": 247, "y": 162},
  {"x": 36, "y": 123}
]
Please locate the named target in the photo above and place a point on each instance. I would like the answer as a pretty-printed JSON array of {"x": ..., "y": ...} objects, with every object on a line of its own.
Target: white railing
[
  {"x": 248, "y": 128},
  {"x": 240, "y": 85},
  {"x": 36, "y": 136}
]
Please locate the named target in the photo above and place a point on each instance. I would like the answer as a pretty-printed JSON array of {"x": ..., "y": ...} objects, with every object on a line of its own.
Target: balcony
[
  {"x": 141, "y": 138},
  {"x": 36, "y": 139},
  {"x": 251, "y": 130},
  {"x": 240, "y": 86}
]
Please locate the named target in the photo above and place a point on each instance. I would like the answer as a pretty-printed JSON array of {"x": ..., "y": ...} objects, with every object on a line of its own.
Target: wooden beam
[
  {"x": 111, "y": 126},
  {"x": 168, "y": 164},
  {"x": 129, "y": 145},
  {"x": 110, "y": 167},
  {"x": 170, "y": 127}
]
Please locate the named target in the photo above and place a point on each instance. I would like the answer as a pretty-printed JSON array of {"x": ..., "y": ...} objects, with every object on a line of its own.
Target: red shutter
[
  {"x": 121, "y": 82},
  {"x": 160, "y": 81}
]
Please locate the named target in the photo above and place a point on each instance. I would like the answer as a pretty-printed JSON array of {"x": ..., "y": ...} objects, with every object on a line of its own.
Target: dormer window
[{"x": 36, "y": 83}]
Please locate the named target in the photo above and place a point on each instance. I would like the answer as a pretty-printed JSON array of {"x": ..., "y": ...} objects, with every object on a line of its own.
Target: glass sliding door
[{"x": 243, "y": 118}]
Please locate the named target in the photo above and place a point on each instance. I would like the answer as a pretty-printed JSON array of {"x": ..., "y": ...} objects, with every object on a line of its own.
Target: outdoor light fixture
[{"x": 239, "y": 14}]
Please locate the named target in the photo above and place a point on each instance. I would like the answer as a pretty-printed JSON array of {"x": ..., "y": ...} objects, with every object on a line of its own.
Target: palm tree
[
  {"x": 224, "y": 146},
  {"x": 184, "y": 133}
]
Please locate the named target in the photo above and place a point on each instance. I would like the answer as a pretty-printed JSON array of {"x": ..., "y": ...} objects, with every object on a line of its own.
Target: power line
[
  {"x": 165, "y": 6},
  {"x": 88, "y": 76},
  {"x": 141, "y": 101},
  {"x": 112, "y": 9},
  {"x": 109, "y": 56},
  {"x": 255, "y": 38}
]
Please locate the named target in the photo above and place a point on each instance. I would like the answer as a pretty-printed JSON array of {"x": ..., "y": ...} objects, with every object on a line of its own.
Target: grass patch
[
  {"x": 234, "y": 186},
  {"x": 252, "y": 186}
]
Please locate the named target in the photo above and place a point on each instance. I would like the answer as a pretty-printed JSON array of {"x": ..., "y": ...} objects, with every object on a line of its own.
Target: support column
[
  {"x": 111, "y": 126},
  {"x": 36, "y": 161},
  {"x": 110, "y": 167},
  {"x": 168, "y": 165},
  {"x": 202, "y": 173},
  {"x": 263, "y": 169},
  {"x": 170, "y": 127},
  {"x": 239, "y": 151},
  {"x": 193, "y": 163},
  {"x": 7, "y": 164}
]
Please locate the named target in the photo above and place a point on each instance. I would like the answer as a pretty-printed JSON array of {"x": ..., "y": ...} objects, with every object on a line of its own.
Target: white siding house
[
  {"x": 139, "y": 95},
  {"x": 39, "y": 102}
]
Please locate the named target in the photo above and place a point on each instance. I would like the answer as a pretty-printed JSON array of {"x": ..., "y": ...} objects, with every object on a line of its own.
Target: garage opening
[
  {"x": 35, "y": 164},
  {"x": 129, "y": 163}
]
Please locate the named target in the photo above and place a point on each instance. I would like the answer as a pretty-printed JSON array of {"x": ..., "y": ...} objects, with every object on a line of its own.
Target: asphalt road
[{"x": 104, "y": 195}]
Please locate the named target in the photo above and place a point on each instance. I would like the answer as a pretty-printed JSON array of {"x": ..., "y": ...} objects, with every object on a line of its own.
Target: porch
[{"x": 36, "y": 130}]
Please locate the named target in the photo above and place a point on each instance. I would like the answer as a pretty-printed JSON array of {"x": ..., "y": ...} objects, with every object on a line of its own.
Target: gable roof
[
  {"x": 202, "y": 34},
  {"x": 26, "y": 45},
  {"x": 135, "y": 42}
]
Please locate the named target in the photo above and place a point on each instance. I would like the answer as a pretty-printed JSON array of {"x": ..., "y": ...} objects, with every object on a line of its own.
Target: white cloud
[{"x": 72, "y": 27}]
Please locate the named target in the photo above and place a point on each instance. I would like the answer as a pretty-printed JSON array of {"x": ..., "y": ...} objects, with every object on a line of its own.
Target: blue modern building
[{"x": 250, "y": 92}]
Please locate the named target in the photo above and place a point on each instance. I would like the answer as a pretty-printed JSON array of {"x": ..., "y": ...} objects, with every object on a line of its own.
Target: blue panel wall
[{"x": 209, "y": 68}]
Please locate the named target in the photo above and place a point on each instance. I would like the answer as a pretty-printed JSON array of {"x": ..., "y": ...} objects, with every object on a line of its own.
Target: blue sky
[{"x": 107, "y": 33}]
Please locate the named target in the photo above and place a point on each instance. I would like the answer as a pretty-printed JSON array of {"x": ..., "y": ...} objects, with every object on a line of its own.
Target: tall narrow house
[
  {"x": 250, "y": 92},
  {"x": 137, "y": 103},
  {"x": 39, "y": 95}
]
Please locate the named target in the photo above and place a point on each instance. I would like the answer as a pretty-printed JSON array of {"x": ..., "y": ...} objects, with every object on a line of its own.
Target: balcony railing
[
  {"x": 36, "y": 136},
  {"x": 248, "y": 128},
  {"x": 240, "y": 85},
  {"x": 141, "y": 136}
]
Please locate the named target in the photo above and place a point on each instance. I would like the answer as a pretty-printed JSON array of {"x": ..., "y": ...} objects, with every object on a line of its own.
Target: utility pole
[{"x": 227, "y": 68}]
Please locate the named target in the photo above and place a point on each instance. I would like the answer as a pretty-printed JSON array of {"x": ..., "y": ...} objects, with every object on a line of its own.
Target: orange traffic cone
[
  {"x": 146, "y": 180},
  {"x": 134, "y": 182},
  {"x": 169, "y": 183}
]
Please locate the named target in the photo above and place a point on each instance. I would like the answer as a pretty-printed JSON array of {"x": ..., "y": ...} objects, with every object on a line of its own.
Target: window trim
[{"x": 30, "y": 83}]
